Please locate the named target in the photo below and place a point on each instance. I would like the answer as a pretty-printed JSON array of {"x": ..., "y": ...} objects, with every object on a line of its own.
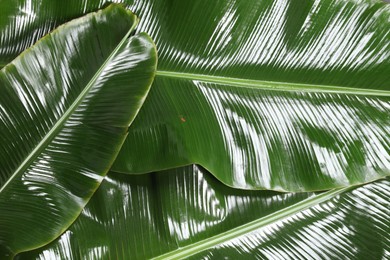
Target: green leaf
[
  {"x": 183, "y": 212},
  {"x": 352, "y": 225},
  {"x": 65, "y": 107},
  {"x": 23, "y": 22},
  {"x": 282, "y": 95}
]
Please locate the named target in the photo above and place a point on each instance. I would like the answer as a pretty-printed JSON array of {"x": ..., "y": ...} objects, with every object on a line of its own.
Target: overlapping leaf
[
  {"x": 185, "y": 212},
  {"x": 287, "y": 95},
  {"x": 65, "y": 106},
  {"x": 283, "y": 95}
]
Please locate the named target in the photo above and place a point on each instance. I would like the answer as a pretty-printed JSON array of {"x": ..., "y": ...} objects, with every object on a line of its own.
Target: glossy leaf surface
[
  {"x": 252, "y": 138},
  {"x": 139, "y": 217},
  {"x": 23, "y": 22},
  {"x": 282, "y": 95},
  {"x": 352, "y": 225},
  {"x": 178, "y": 213},
  {"x": 65, "y": 107}
]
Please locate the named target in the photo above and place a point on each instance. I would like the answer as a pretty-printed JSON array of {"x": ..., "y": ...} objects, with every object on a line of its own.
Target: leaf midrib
[
  {"x": 57, "y": 126},
  {"x": 272, "y": 85},
  {"x": 191, "y": 249}
]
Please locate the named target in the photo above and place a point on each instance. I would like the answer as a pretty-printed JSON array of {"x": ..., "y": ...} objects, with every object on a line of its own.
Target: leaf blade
[
  {"x": 328, "y": 54},
  {"x": 260, "y": 139},
  {"x": 64, "y": 157},
  {"x": 351, "y": 225}
]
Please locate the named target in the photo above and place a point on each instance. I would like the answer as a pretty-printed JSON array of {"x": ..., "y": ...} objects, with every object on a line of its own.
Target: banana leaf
[
  {"x": 186, "y": 212},
  {"x": 365, "y": 15},
  {"x": 65, "y": 107},
  {"x": 282, "y": 95}
]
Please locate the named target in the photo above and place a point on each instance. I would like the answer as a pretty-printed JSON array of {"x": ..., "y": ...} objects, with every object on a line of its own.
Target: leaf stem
[{"x": 273, "y": 85}]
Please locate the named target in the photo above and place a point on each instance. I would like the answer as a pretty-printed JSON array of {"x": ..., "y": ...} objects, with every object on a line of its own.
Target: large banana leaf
[
  {"x": 183, "y": 212},
  {"x": 349, "y": 51},
  {"x": 274, "y": 94},
  {"x": 65, "y": 107},
  {"x": 283, "y": 95}
]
